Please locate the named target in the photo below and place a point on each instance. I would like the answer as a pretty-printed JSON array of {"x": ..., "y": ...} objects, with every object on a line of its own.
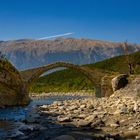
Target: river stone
[
  {"x": 131, "y": 128},
  {"x": 98, "y": 122},
  {"x": 137, "y": 137},
  {"x": 122, "y": 110},
  {"x": 57, "y": 103},
  {"x": 119, "y": 81},
  {"x": 82, "y": 123},
  {"x": 63, "y": 119},
  {"x": 82, "y": 106},
  {"x": 131, "y": 133},
  {"x": 112, "y": 123},
  {"x": 136, "y": 108},
  {"x": 16, "y": 134},
  {"x": 26, "y": 128},
  {"x": 82, "y": 116},
  {"x": 64, "y": 137},
  {"x": 72, "y": 107},
  {"x": 90, "y": 118},
  {"x": 32, "y": 118}
]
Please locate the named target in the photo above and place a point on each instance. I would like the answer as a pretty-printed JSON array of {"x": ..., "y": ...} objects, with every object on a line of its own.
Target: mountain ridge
[{"x": 26, "y": 53}]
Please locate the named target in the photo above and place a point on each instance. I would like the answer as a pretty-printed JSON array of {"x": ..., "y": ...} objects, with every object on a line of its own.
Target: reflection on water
[
  {"x": 8, "y": 127},
  {"x": 10, "y": 117},
  {"x": 13, "y": 113}
]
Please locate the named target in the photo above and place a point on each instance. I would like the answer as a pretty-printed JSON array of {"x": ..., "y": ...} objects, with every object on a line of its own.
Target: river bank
[
  {"x": 79, "y": 118},
  {"x": 115, "y": 117},
  {"x": 25, "y": 122}
]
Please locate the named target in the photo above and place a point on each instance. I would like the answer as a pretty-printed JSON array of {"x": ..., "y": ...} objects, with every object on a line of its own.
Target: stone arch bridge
[{"x": 93, "y": 74}]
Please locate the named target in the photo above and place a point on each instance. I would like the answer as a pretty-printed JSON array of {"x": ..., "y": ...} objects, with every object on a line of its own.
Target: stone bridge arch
[{"x": 94, "y": 74}]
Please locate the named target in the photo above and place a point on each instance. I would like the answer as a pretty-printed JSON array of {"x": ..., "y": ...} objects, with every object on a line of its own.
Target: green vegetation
[
  {"x": 64, "y": 81},
  {"x": 120, "y": 63},
  {"x": 115, "y": 64},
  {"x": 69, "y": 80}
]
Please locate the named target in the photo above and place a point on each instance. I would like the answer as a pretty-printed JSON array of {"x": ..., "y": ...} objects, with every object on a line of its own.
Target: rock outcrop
[{"x": 12, "y": 88}]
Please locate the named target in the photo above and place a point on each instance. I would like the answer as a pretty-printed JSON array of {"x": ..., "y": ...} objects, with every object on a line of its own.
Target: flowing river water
[{"x": 11, "y": 117}]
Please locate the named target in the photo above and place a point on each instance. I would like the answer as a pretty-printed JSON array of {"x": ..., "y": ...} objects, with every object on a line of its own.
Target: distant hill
[
  {"x": 69, "y": 80},
  {"x": 28, "y": 53}
]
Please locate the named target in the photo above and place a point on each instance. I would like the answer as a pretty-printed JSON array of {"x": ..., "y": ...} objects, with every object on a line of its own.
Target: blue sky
[{"x": 114, "y": 20}]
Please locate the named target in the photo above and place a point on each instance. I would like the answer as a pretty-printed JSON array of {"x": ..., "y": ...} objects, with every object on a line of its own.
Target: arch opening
[{"x": 66, "y": 80}]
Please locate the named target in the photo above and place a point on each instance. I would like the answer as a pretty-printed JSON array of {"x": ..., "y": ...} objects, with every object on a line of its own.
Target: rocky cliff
[
  {"x": 33, "y": 53},
  {"x": 12, "y": 90}
]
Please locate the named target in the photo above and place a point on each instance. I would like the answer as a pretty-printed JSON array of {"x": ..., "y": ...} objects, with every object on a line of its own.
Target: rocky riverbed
[{"x": 114, "y": 117}]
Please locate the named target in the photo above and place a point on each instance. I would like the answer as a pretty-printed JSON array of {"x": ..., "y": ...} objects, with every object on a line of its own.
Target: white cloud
[{"x": 55, "y": 36}]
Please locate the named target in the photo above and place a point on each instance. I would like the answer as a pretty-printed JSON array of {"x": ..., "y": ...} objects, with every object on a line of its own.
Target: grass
[
  {"x": 69, "y": 81},
  {"x": 119, "y": 63}
]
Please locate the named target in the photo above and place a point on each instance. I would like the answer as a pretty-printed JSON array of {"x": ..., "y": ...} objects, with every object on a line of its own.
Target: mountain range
[{"x": 29, "y": 53}]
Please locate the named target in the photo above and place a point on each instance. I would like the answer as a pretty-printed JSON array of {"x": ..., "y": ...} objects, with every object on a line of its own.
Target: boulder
[{"x": 119, "y": 81}]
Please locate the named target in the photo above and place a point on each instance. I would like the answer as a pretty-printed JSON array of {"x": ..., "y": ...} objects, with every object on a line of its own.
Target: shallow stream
[{"x": 11, "y": 117}]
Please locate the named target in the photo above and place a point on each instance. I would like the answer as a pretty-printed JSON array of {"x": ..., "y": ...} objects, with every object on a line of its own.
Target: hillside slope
[
  {"x": 26, "y": 54},
  {"x": 68, "y": 80}
]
